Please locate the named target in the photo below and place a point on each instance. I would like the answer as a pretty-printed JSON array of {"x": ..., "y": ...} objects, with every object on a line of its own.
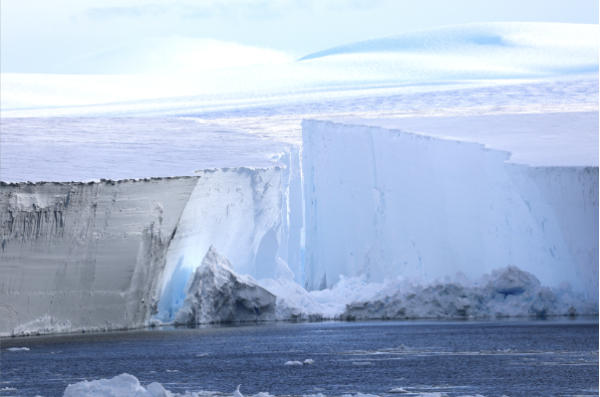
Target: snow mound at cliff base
[
  {"x": 216, "y": 294},
  {"x": 506, "y": 292}
]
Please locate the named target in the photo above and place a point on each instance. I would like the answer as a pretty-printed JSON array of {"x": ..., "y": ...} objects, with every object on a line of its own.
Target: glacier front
[
  {"x": 383, "y": 202},
  {"x": 469, "y": 149},
  {"x": 110, "y": 254}
]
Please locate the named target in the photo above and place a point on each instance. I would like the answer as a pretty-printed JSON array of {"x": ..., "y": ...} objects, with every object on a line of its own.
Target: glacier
[
  {"x": 408, "y": 169},
  {"x": 427, "y": 61},
  {"x": 111, "y": 254},
  {"x": 438, "y": 206}
]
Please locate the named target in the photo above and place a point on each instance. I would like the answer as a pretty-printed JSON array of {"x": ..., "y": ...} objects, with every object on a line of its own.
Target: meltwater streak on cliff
[{"x": 481, "y": 54}]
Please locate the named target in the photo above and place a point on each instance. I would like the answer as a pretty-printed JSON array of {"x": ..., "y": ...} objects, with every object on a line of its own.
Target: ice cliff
[
  {"x": 384, "y": 203},
  {"x": 109, "y": 254}
]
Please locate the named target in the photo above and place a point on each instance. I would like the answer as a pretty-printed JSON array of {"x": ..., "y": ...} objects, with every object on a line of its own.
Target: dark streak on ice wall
[
  {"x": 84, "y": 255},
  {"x": 96, "y": 256}
]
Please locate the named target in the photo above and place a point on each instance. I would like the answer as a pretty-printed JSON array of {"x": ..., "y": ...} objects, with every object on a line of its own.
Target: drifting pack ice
[{"x": 415, "y": 188}]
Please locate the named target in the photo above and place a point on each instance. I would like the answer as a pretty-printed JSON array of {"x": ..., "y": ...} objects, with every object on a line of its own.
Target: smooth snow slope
[
  {"x": 385, "y": 203},
  {"x": 480, "y": 50},
  {"x": 421, "y": 61}
]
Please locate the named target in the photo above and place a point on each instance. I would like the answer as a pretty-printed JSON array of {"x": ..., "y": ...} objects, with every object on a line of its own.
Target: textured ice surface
[
  {"x": 82, "y": 149},
  {"x": 386, "y": 203},
  {"x": 505, "y": 292},
  {"x": 84, "y": 255},
  {"x": 216, "y": 294},
  {"x": 239, "y": 212}
]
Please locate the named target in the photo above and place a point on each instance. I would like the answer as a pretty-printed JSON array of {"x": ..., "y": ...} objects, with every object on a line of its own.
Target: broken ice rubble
[{"x": 215, "y": 294}]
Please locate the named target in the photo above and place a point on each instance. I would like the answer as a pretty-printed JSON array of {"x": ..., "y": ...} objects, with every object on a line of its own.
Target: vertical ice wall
[
  {"x": 386, "y": 203},
  {"x": 292, "y": 212},
  {"x": 100, "y": 255},
  {"x": 251, "y": 216},
  {"x": 236, "y": 210},
  {"x": 84, "y": 255}
]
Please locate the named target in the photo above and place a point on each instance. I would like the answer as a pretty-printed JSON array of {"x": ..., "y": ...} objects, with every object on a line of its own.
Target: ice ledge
[{"x": 567, "y": 139}]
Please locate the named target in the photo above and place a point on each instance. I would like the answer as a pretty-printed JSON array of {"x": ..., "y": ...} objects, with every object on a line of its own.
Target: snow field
[{"x": 485, "y": 54}]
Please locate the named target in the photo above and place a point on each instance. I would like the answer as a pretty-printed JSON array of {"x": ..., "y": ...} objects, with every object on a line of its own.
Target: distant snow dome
[
  {"x": 480, "y": 50},
  {"x": 432, "y": 60}
]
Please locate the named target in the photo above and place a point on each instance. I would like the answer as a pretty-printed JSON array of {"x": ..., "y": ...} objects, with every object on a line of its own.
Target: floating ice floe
[
  {"x": 398, "y": 390},
  {"x": 293, "y": 363},
  {"x": 121, "y": 385},
  {"x": 126, "y": 385}
]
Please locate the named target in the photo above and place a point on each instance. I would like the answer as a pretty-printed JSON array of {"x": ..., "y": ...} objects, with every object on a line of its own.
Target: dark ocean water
[{"x": 557, "y": 357}]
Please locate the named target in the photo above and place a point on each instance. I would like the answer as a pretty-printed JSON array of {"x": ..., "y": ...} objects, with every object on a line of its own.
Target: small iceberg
[
  {"x": 398, "y": 390},
  {"x": 237, "y": 392}
]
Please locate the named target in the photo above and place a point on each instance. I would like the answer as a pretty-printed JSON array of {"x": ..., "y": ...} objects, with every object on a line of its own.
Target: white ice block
[{"x": 383, "y": 203}]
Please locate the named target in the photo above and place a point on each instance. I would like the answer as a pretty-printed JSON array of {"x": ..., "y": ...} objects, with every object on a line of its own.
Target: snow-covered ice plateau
[
  {"x": 466, "y": 150},
  {"x": 437, "y": 59}
]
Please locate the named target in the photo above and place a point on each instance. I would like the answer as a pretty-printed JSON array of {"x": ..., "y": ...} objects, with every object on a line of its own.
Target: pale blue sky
[{"x": 85, "y": 36}]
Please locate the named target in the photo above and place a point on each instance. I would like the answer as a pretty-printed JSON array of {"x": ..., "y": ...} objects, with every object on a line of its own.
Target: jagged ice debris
[{"x": 216, "y": 294}]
